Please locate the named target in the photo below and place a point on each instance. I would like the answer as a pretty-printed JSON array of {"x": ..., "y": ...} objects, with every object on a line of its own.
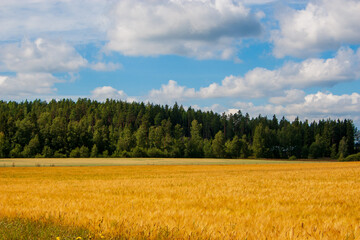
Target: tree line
[{"x": 87, "y": 128}]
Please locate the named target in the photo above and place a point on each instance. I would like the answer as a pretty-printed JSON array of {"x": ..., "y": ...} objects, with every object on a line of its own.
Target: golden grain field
[
  {"x": 80, "y": 162},
  {"x": 273, "y": 201}
]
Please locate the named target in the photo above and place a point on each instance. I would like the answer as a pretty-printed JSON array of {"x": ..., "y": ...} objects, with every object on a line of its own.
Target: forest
[{"x": 88, "y": 128}]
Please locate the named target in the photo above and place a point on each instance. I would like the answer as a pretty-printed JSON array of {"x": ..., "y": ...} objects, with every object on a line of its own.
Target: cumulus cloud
[
  {"x": 215, "y": 108},
  {"x": 313, "y": 106},
  {"x": 40, "y": 56},
  {"x": 81, "y": 20},
  {"x": 322, "y": 25},
  {"x": 168, "y": 93},
  {"x": 256, "y": 2},
  {"x": 29, "y": 67},
  {"x": 291, "y": 96},
  {"x": 27, "y": 84},
  {"x": 105, "y": 67},
  {"x": 194, "y": 28},
  {"x": 261, "y": 82},
  {"x": 107, "y": 92}
]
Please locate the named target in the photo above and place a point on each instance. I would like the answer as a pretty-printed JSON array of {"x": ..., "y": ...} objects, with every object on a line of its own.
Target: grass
[
  {"x": 24, "y": 229},
  {"x": 50, "y": 162},
  {"x": 273, "y": 201}
]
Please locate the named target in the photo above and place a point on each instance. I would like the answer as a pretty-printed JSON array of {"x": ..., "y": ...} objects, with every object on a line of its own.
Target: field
[
  {"x": 48, "y": 162},
  {"x": 254, "y": 201}
]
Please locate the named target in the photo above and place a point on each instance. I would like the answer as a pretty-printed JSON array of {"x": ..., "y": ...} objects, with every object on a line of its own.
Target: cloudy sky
[{"x": 289, "y": 58}]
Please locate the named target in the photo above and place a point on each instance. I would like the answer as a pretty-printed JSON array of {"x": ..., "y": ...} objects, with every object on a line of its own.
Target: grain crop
[{"x": 272, "y": 201}]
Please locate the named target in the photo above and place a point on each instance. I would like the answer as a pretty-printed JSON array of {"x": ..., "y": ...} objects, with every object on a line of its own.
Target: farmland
[
  {"x": 254, "y": 201},
  {"x": 75, "y": 162}
]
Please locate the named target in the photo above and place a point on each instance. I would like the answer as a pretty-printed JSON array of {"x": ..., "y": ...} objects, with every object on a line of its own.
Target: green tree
[
  {"x": 2, "y": 145},
  {"x": 94, "y": 151},
  {"x": 25, "y": 128},
  {"x": 258, "y": 145},
  {"x": 208, "y": 153},
  {"x": 47, "y": 152},
  {"x": 245, "y": 150},
  {"x": 233, "y": 147},
  {"x": 194, "y": 148},
  {"x": 84, "y": 152},
  {"x": 166, "y": 140},
  {"x": 333, "y": 154},
  {"x": 155, "y": 152},
  {"x": 117, "y": 127},
  {"x": 16, "y": 151},
  {"x": 105, "y": 154},
  {"x": 44, "y": 124},
  {"x": 101, "y": 135},
  {"x": 58, "y": 130},
  {"x": 343, "y": 148},
  {"x": 350, "y": 137},
  {"x": 33, "y": 148},
  {"x": 126, "y": 140},
  {"x": 317, "y": 148},
  {"x": 138, "y": 152},
  {"x": 141, "y": 136},
  {"x": 75, "y": 153},
  {"x": 218, "y": 145},
  {"x": 357, "y": 140},
  {"x": 178, "y": 145},
  {"x": 155, "y": 137}
]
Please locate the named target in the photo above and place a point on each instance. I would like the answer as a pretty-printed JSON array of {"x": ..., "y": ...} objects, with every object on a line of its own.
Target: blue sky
[{"x": 289, "y": 58}]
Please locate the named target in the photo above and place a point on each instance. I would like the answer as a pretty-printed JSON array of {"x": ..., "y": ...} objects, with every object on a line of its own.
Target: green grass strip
[{"x": 18, "y": 229}]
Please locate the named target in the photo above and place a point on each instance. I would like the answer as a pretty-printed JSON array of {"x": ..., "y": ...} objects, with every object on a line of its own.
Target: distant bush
[
  {"x": 138, "y": 152},
  {"x": 154, "y": 152},
  {"x": 84, "y": 152},
  {"x": 352, "y": 158},
  {"x": 125, "y": 154},
  {"x": 75, "y": 153},
  {"x": 105, "y": 154},
  {"x": 292, "y": 157},
  {"x": 59, "y": 155}
]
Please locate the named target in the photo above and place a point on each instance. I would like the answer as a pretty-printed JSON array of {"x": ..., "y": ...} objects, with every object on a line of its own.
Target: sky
[{"x": 289, "y": 58}]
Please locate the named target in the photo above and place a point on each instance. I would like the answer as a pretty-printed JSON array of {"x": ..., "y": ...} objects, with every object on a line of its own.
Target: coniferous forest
[{"x": 87, "y": 128}]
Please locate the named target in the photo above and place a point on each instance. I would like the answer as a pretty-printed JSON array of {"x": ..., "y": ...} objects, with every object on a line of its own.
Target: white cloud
[
  {"x": 195, "y": 28},
  {"x": 40, "y": 56},
  {"x": 27, "y": 85},
  {"x": 80, "y": 20},
  {"x": 261, "y": 82},
  {"x": 107, "y": 92},
  {"x": 215, "y": 108},
  {"x": 170, "y": 93},
  {"x": 29, "y": 67},
  {"x": 255, "y": 2},
  {"x": 313, "y": 106},
  {"x": 322, "y": 25},
  {"x": 291, "y": 96},
  {"x": 43, "y": 55},
  {"x": 105, "y": 67}
]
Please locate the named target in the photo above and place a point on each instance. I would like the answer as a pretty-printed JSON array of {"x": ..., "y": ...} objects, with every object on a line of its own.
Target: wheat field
[
  {"x": 272, "y": 201},
  {"x": 81, "y": 162}
]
